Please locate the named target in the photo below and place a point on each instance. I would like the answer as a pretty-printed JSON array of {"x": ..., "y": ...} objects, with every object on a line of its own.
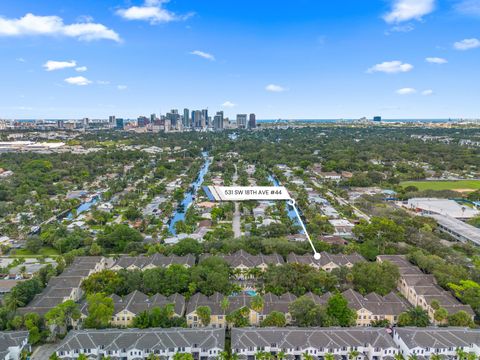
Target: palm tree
[
  {"x": 399, "y": 356},
  {"x": 225, "y": 304},
  {"x": 257, "y": 303},
  {"x": 352, "y": 355},
  {"x": 435, "y": 357},
  {"x": 329, "y": 356},
  {"x": 471, "y": 356},
  {"x": 461, "y": 354},
  {"x": 413, "y": 357},
  {"x": 310, "y": 357},
  {"x": 281, "y": 355}
]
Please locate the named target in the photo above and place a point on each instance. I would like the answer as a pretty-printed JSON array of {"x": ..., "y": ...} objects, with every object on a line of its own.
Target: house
[
  {"x": 369, "y": 343},
  {"x": 327, "y": 261},
  {"x": 330, "y": 176},
  {"x": 342, "y": 227},
  {"x": 12, "y": 343},
  {"x": 421, "y": 289},
  {"x": 131, "y": 344},
  {"x": 150, "y": 262},
  {"x": 425, "y": 342},
  {"x": 242, "y": 262},
  {"x": 334, "y": 240},
  {"x": 128, "y": 307}
]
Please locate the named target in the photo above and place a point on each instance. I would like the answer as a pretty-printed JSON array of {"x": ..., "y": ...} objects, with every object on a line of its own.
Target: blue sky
[{"x": 279, "y": 59}]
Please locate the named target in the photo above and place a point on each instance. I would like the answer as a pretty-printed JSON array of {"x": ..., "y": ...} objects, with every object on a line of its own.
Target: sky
[{"x": 303, "y": 59}]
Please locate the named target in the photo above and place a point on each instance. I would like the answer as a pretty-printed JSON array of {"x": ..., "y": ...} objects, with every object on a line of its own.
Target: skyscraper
[
  {"x": 242, "y": 121},
  {"x": 252, "y": 121},
  {"x": 197, "y": 119},
  {"x": 205, "y": 117},
  {"x": 218, "y": 121},
  {"x": 186, "y": 118},
  {"x": 153, "y": 117},
  {"x": 119, "y": 124},
  {"x": 111, "y": 120}
]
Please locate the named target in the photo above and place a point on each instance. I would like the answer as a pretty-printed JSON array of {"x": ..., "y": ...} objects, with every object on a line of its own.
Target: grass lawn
[
  {"x": 46, "y": 251},
  {"x": 462, "y": 185}
]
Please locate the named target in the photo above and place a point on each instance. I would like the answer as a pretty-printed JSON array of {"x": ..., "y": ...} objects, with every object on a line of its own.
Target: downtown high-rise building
[
  {"x": 242, "y": 121},
  {"x": 197, "y": 119},
  {"x": 186, "y": 118},
  {"x": 218, "y": 121},
  {"x": 252, "y": 121},
  {"x": 205, "y": 117}
]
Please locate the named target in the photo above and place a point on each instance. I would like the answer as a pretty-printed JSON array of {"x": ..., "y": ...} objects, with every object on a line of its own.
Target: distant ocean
[{"x": 351, "y": 120}]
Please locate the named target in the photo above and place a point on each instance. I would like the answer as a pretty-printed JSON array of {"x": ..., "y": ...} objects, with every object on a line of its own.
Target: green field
[
  {"x": 463, "y": 185},
  {"x": 45, "y": 251}
]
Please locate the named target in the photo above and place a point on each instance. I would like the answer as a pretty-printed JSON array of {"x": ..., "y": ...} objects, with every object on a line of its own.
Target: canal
[{"x": 179, "y": 214}]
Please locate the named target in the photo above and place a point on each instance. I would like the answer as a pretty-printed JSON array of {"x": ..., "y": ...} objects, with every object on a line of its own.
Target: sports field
[{"x": 459, "y": 185}]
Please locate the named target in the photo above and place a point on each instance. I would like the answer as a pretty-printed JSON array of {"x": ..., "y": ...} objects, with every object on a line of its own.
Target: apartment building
[
  {"x": 421, "y": 289},
  {"x": 327, "y": 261},
  {"x": 128, "y": 307},
  {"x": 243, "y": 263},
  {"x": 132, "y": 344},
  {"x": 295, "y": 343},
  {"x": 151, "y": 262},
  {"x": 66, "y": 286},
  {"x": 446, "y": 341}
]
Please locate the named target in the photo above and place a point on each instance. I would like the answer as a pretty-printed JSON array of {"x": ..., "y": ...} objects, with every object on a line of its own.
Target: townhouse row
[
  {"x": 241, "y": 261},
  {"x": 287, "y": 343},
  {"x": 422, "y": 290},
  {"x": 369, "y": 308}
]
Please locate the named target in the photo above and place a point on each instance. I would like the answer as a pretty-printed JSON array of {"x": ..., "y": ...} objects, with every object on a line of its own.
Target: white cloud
[
  {"x": 20, "y": 59},
  {"x": 427, "y": 92},
  {"x": 81, "y": 69},
  {"x": 468, "y": 7},
  {"x": 52, "y": 65},
  {"x": 228, "y": 104},
  {"x": 103, "y": 82},
  {"x": 406, "y": 91},
  {"x": 78, "y": 80},
  {"x": 122, "y": 87},
  {"x": 391, "y": 67},
  {"x": 53, "y": 26},
  {"x": 436, "y": 60},
  {"x": 467, "y": 44},
  {"x": 405, "y": 10},
  {"x": 153, "y": 12},
  {"x": 203, "y": 54},
  {"x": 275, "y": 88}
]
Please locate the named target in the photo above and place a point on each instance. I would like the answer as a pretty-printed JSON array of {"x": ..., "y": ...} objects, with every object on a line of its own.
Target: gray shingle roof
[
  {"x": 434, "y": 337},
  {"x": 292, "y": 337},
  {"x": 325, "y": 259},
  {"x": 11, "y": 339},
  {"x": 155, "y": 339},
  {"x": 243, "y": 258},
  {"x": 157, "y": 260}
]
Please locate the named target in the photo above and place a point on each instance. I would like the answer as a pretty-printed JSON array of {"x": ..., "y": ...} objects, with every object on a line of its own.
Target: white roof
[{"x": 443, "y": 207}]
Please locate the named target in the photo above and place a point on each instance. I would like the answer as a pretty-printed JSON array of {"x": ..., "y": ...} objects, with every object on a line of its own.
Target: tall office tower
[
  {"x": 153, "y": 117},
  {"x": 218, "y": 121},
  {"x": 186, "y": 118},
  {"x": 60, "y": 124},
  {"x": 111, "y": 121},
  {"x": 119, "y": 124},
  {"x": 205, "y": 116},
  {"x": 142, "y": 121},
  {"x": 242, "y": 121},
  {"x": 197, "y": 119},
  {"x": 252, "y": 121}
]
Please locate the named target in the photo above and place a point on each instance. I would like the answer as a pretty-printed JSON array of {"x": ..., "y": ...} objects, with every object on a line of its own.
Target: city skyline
[{"x": 397, "y": 59}]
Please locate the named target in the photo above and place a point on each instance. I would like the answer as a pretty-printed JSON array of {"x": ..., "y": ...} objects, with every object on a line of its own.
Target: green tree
[
  {"x": 274, "y": 319},
  {"x": 375, "y": 277},
  {"x": 414, "y": 317},
  {"x": 257, "y": 303},
  {"x": 337, "y": 308},
  {"x": 100, "y": 311},
  {"x": 204, "y": 313},
  {"x": 460, "y": 318}
]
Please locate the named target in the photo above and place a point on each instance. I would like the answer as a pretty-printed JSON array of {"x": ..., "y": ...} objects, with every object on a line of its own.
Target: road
[
  {"x": 236, "y": 221},
  {"x": 43, "y": 352}
]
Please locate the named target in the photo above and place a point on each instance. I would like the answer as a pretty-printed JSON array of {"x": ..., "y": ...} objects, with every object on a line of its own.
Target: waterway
[
  {"x": 179, "y": 214},
  {"x": 83, "y": 207},
  {"x": 291, "y": 212}
]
